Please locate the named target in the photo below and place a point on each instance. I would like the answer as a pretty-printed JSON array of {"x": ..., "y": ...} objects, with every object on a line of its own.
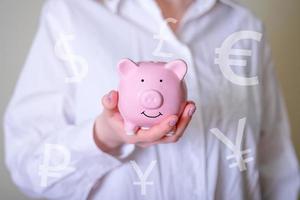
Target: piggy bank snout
[{"x": 151, "y": 99}]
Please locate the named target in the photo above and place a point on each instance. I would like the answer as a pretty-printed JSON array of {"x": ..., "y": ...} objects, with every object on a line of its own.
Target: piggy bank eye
[
  {"x": 160, "y": 80},
  {"x": 142, "y": 80}
]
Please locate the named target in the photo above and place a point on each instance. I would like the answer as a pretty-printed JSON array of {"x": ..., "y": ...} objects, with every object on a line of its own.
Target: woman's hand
[{"x": 109, "y": 132}]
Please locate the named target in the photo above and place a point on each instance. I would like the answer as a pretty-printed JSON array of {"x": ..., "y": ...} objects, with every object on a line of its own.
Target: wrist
[{"x": 103, "y": 138}]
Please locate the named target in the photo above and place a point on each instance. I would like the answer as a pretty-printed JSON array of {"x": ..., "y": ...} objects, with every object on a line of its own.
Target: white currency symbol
[
  {"x": 238, "y": 153},
  {"x": 55, "y": 170},
  {"x": 64, "y": 52},
  {"x": 161, "y": 37},
  {"x": 143, "y": 177},
  {"x": 226, "y": 50}
]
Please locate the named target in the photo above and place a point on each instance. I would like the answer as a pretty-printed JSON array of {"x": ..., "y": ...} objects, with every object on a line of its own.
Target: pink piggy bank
[{"x": 150, "y": 91}]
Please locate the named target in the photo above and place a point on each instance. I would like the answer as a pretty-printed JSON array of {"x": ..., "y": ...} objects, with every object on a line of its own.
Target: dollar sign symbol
[
  {"x": 78, "y": 65},
  {"x": 224, "y": 61},
  {"x": 157, "y": 52}
]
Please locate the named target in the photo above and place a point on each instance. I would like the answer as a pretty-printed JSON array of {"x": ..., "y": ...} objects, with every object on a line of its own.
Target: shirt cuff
[
  {"x": 89, "y": 145},
  {"x": 98, "y": 160}
]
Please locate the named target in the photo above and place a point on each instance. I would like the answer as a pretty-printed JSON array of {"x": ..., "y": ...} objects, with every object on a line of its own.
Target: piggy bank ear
[
  {"x": 125, "y": 66},
  {"x": 179, "y": 67}
]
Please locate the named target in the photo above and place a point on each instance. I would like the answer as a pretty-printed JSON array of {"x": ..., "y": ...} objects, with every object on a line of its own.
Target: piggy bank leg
[{"x": 130, "y": 128}]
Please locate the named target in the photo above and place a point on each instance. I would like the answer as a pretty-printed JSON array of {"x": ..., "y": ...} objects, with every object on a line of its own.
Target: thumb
[{"x": 110, "y": 102}]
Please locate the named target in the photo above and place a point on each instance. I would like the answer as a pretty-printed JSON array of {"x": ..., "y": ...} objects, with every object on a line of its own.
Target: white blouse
[{"x": 236, "y": 147}]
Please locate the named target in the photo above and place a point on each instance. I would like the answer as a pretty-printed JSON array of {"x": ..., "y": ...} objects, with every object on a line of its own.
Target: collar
[
  {"x": 198, "y": 8},
  {"x": 112, "y": 5}
]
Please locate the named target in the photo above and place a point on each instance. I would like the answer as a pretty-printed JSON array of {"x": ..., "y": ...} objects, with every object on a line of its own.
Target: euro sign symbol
[
  {"x": 161, "y": 37},
  {"x": 225, "y": 62},
  {"x": 78, "y": 65}
]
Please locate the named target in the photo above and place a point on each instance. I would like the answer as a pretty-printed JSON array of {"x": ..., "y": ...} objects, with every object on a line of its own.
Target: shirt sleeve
[
  {"x": 278, "y": 165},
  {"x": 49, "y": 153}
]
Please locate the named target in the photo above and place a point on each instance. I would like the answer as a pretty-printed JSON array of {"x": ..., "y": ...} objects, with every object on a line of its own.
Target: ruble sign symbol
[
  {"x": 237, "y": 152},
  {"x": 48, "y": 169},
  {"x": 161, "y": 37},
  {"x": 225, "y": 62},
  {"x": 79, "y": 66}
]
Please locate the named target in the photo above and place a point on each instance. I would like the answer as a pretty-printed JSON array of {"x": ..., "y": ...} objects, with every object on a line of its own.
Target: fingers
[
  {"x": 156, "y": 132},
  {"x": 110, "y": 102},
  {"x": 183, "y": 122}
]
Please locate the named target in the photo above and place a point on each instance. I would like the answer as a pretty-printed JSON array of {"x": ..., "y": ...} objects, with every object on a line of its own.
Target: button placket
[{"x": 181, "y": 50}]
